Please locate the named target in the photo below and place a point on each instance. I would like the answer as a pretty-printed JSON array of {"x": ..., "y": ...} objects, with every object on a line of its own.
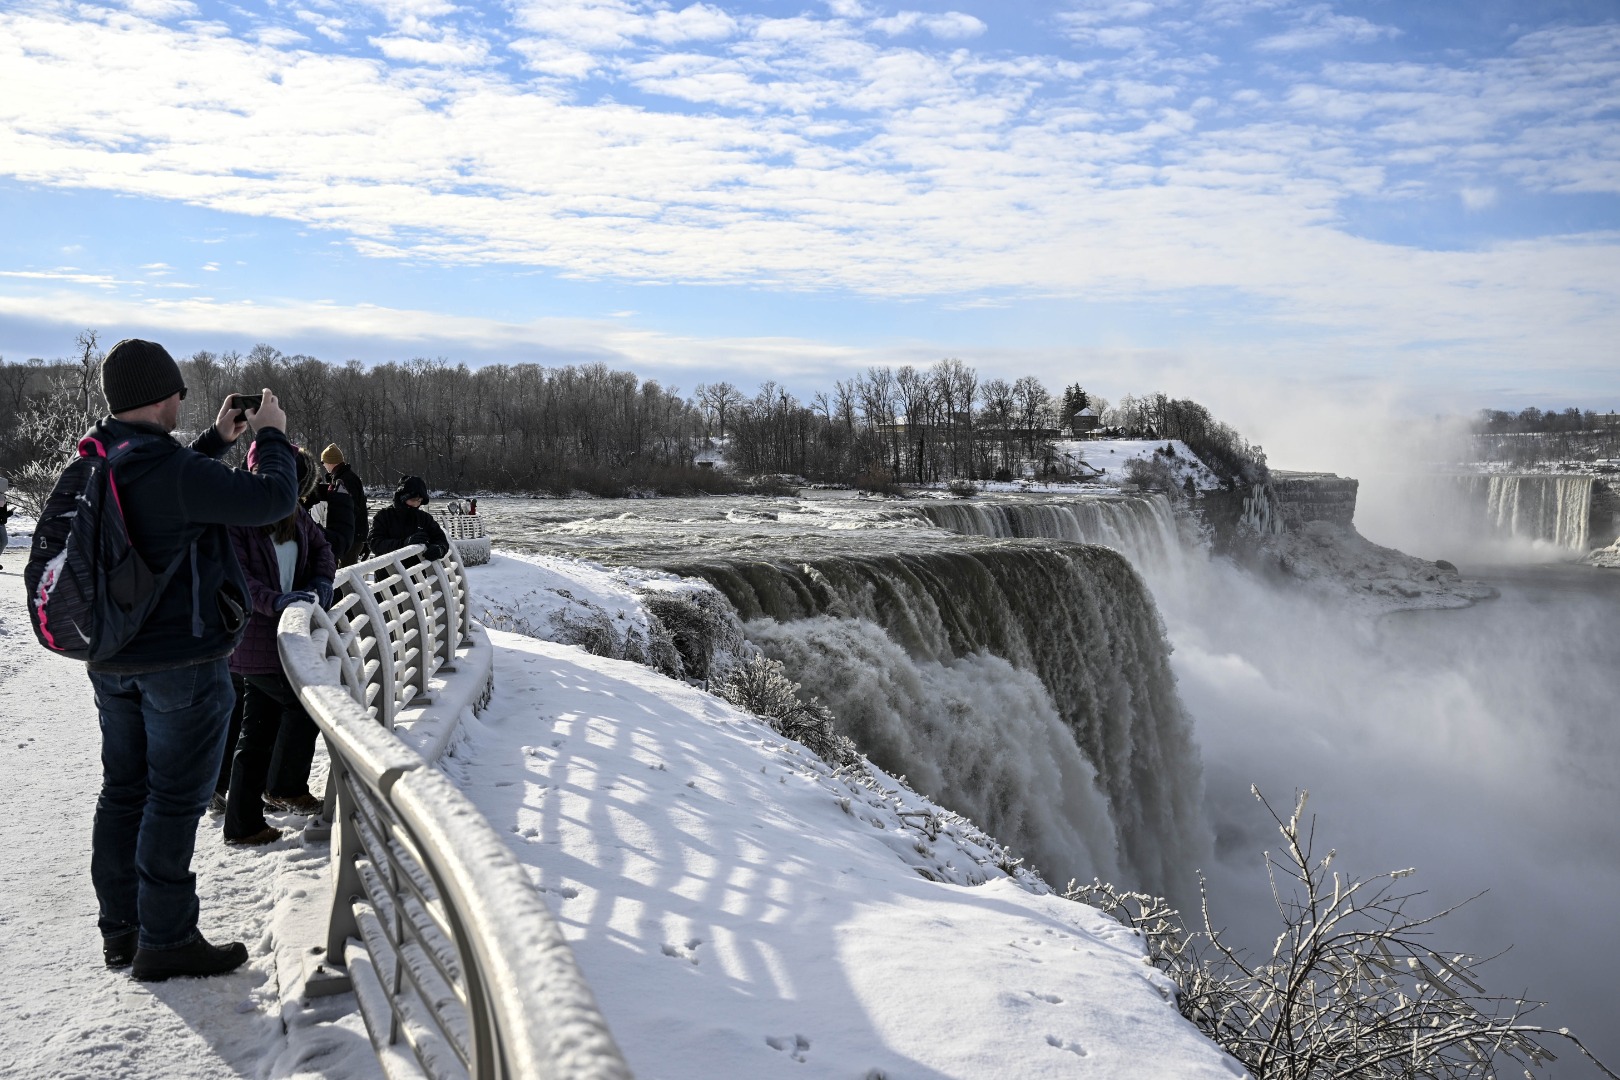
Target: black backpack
[{"x": 89, "y": 590}]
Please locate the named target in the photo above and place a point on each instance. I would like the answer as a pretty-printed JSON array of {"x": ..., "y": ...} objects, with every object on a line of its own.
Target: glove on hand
[
  {"x": 323, "y": 591},
  {"x": 297, "y": 596},
  {"x": 419, "y": 538},
  {"x": 435, "y": 551}
]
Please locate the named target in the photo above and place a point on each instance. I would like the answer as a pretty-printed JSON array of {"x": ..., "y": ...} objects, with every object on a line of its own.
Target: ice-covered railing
[
  {"x": 458, "y": 966},
  {"x": 466, "y": 534}
]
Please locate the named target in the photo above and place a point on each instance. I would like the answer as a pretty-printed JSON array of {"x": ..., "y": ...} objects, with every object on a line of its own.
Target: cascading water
[
  {"x": 1141, "y": 528},
  {"x": 1027, "y": 684},
  {"x": 1553, "y": 509}
]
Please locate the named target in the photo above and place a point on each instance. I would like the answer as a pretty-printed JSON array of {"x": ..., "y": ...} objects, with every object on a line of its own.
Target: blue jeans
[{"x": 162, "y": 738}]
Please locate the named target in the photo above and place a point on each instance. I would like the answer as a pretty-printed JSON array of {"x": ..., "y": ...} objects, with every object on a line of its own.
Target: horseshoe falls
[{"x": 1554, "y": 509}]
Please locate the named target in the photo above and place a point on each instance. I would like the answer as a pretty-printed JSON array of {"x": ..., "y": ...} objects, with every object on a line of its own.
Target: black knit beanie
[{"x": 137, "y": 373}]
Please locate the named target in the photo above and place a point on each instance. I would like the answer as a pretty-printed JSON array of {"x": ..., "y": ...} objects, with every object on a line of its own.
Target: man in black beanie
[{"x": 165, "y": 700}]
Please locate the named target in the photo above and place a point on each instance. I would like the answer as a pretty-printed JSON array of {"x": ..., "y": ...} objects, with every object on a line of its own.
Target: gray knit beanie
[{"x": 137, "y": 373}]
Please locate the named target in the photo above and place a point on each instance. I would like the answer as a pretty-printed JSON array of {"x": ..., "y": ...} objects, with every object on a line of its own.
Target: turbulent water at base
[
  {"x": 1553, "y": 509},
  {"x": 1025, "y": 684}
]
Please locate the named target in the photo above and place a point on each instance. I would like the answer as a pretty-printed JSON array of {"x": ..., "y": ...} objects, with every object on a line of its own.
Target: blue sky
[{"x": 1194, "y": 195}]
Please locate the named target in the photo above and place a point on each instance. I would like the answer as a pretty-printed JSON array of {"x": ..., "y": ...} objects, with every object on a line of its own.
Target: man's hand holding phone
[{"x": 243, "y": 411}]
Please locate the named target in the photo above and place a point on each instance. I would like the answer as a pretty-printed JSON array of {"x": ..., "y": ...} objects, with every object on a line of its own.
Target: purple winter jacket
[{"x": 256, "y": 552}]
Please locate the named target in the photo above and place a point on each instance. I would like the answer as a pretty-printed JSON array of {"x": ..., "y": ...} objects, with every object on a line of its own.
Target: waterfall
[
  {"x": 1026, "y": 684},
  {"x": 1141, "y": 528},
  {"x": 1553, "y": 509}
]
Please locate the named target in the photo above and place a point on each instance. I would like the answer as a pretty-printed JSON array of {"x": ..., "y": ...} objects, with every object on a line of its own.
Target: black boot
[
  {"x": 119, "y": 949},
  {"x": 196, "y": 959}
]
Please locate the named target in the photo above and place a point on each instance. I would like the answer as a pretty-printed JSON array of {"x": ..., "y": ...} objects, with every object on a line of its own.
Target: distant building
[{"x": 1082, "y": 423}]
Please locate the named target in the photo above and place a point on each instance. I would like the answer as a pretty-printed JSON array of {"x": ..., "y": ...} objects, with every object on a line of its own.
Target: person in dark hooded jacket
[
  {"x": 405, "y": 522},
  {"x": 165, "y": 700},
  {"x": 284, "y": 563}
]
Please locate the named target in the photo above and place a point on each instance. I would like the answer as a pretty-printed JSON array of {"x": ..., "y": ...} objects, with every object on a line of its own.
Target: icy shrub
[
  {"x": 759, "y": 686},
  {"x": 1350, "y": 988},
  {"x": 962, "y": 489},
  {"x": 595, "y": 631},
  {"x": 701, "y": 627}
]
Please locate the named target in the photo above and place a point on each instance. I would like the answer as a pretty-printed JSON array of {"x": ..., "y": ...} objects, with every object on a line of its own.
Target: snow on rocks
[
  {"x": 603, "y": 610},
  {"x": 1337, "y": 561},
  {"x": 1608, "y": 557}
]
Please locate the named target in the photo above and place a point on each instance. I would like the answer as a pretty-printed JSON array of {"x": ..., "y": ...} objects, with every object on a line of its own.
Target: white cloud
[
  {"x": 329, "y": 27},
  {"x": 408, "y": 11},
  {"x": 608, "y": 25},
  {"x": 1318, "y": 26},
  {"x": 105, "y": 281},
  {"x": 160, "y": 9},
  {"x": 1478, "y": 198},
  {"x": 448, "y": 51},
  {"x": 950, "y": 26},
  {"x": 278, "y": 36},
  {"x": 848, "y": 9}
]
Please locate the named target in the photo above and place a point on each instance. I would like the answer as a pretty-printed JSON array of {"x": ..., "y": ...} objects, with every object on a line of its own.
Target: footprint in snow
[
  {"x": 796, "y": 1046},
  {"x": 686, "y": 952},
  {"x": 1066, "y": 1044},
  {"x": 1050, "y": 999}
]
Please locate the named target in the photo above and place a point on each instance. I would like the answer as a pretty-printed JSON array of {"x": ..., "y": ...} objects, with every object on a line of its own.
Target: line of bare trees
[
  {"x": 886, "y": 425},
  {"x": 504, "y": 427},
  {"x": 523, "y": 427},
  {"x": 923, "y": 426}
]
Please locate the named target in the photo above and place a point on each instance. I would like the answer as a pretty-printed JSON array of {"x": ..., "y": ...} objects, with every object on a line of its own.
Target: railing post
[
  {"x": 448, "y": 636},
  {"x": 383, "y": 675}
]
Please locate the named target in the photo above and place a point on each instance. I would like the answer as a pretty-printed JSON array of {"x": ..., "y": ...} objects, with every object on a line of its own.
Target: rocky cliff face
[
  {"x": 1292, "y": 501},
  {"x": 1606, "y": 511},
  {"x": 1304, "y": 497}
]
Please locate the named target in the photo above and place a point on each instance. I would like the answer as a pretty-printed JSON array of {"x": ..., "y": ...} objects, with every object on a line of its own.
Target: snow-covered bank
[{"x": 740, "y": 910}]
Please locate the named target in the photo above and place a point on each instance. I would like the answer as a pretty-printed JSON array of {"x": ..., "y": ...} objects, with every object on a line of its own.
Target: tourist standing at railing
[
  {"x": 287, "y": 562},
  {"x": 5, "y": 516},
  {"x": 405, "y": 522},
  {"x": 333, "y": 510},
  {"x": 340, "y": 474},
  {"x": 165, "y": 699}
]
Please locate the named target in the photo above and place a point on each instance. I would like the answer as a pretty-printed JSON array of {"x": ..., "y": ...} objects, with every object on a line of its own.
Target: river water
[{"x": 1478, "y": 745}]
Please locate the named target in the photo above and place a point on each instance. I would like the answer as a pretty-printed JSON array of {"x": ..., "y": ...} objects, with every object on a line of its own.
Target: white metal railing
[
  {"x": 458, "y": 966},
  {"x": 466, "y": 534}
]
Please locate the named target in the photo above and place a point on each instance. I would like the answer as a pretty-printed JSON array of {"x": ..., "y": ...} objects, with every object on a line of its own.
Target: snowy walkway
[{"x": 62, "y": 1013}]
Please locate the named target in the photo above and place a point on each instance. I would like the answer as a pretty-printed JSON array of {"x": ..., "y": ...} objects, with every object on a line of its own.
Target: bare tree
[{"x": 1352, "y": 987}]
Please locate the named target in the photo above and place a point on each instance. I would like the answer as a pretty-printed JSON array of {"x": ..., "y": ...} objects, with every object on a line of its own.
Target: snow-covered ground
[
  {"x": 739, "y": 909},
  {"x": 1103, "y": 462}
]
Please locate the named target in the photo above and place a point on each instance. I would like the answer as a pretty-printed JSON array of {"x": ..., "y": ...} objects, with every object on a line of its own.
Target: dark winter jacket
[
  {"x": 172, "y": 495},
  {"x": 255, "y": 549},
  {"x": 341, "y": 481},
  {"x": 339, "y": 524},
  {"x": 400, "y": 525}
]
